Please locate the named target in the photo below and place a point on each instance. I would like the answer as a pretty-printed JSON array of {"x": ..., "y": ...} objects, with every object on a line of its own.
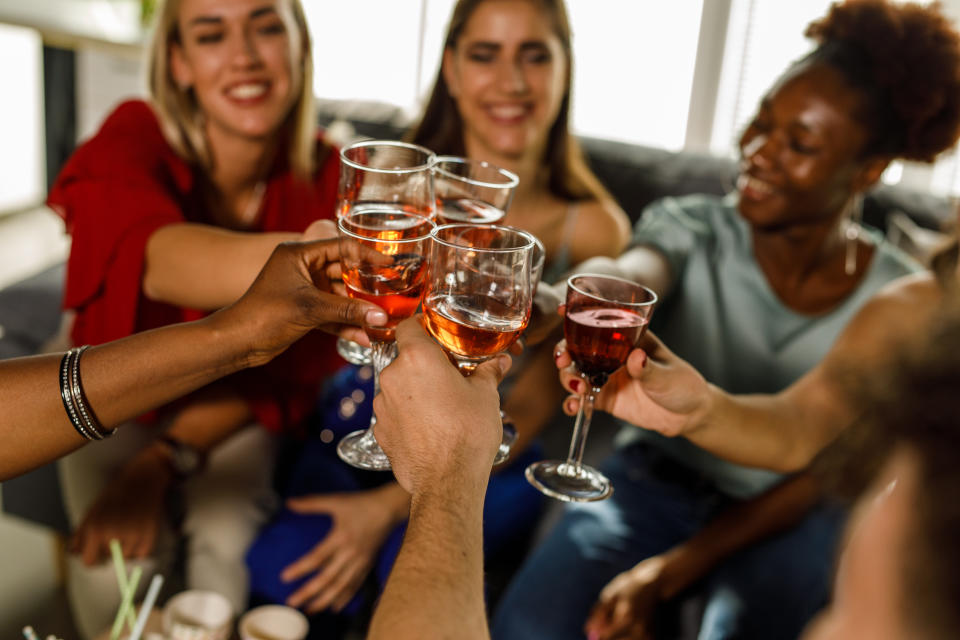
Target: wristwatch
[{"x": 185, "y": 460}]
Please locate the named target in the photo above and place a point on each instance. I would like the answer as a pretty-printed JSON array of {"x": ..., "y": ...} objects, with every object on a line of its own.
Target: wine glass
[
  {"x": 479, "y": 294},
  {"x": 604, "y": 319},
  {"x": 471, "y": 190},
  {"x": 384, "y": 239},
  {"x": 367, "y": 171}
]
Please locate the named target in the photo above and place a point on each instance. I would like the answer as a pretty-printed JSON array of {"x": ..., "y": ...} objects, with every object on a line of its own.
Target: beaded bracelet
[{"x": 75, "y": 402}]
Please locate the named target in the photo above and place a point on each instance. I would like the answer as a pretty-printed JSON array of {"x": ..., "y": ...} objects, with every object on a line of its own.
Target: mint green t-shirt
[{"x": 723, "y": 317}]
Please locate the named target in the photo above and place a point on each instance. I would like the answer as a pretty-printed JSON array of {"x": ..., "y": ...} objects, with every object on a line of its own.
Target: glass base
[
  {"x": 563, "y": 481},
  {"x": 509, "y": 437},
  {"x": 354, "y": 353},
  {"x": 360, "y": 449}
]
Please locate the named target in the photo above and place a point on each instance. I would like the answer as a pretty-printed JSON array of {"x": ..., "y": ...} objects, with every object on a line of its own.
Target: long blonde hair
[{"x": 181, "y": 119}]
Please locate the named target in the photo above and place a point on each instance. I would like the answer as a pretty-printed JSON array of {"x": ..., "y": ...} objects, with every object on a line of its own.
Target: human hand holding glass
[
  {"x": 383, "y": 246},
  {"x": 479, "y": 295},
  {"x": 604, "y": 319}
]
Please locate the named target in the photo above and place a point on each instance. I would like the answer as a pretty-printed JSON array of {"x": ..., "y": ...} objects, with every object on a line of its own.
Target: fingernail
[
  {"x": 557, "y": 354},
  {"x": 569, "y": 403},
  {"x": 575, "y": 385},
  {"x": 504, "y": 361},
  {"x": 375, "y": 318},
  {"x": 643, "y": 363}
]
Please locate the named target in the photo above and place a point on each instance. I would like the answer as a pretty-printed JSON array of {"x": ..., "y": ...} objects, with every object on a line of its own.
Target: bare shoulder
[
  {"x": 892, "y": 315},
  {"x": 602, "y": 229}
]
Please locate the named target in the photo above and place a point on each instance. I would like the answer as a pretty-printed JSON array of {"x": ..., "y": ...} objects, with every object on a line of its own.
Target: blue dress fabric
[
  {"x": 511, "y": 509},
  {"x": 723, "y": 317}
]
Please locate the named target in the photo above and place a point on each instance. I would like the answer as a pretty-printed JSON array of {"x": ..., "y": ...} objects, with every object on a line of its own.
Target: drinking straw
[
  {"x": 126, "y": 603},
  {"x": 29, "y": 633},
  {"x": 121, "y": 570},
  {"x": 147, "y": 606}
]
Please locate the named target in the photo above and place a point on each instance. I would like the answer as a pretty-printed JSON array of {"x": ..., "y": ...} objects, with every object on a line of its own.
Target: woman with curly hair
[{"x": 757, "y": 286}]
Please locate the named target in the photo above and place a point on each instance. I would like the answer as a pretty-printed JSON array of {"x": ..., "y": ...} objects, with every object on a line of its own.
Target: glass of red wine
[
  {"x": 384, "y": 238},
  {"x": 604, "y": 319},
  {"x": 479, "y": 294},
  {"x": 381, "y": 173},
  {"x": 471, "y": 191}
]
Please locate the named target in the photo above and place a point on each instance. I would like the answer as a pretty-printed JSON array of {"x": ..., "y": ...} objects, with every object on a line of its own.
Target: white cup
[
  {"x": 273, "y": 622},
  {"x": 197, "y": 615}
]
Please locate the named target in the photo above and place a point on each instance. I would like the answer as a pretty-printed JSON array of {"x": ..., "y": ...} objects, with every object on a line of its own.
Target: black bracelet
[
  {"x": 86, "y": 413},
  {"x": 67, "y": 395}
]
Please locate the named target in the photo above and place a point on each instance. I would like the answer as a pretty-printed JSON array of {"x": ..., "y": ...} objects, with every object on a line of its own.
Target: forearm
[
  {"x": 780, "y": 432},
  {"x": 436, "y": 587},
  {"x": 211, "y": 416},
  {"x": 121, "y": 380},
  {"x": 737, "y": 528},
  {"x": 203, "y": 267}
]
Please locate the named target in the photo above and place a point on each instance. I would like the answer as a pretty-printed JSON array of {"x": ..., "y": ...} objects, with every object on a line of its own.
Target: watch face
[{"x": 185, "y": 460}]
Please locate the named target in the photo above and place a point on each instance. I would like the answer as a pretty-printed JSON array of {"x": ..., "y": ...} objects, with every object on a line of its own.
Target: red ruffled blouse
[{"x": 125, "y": 183}]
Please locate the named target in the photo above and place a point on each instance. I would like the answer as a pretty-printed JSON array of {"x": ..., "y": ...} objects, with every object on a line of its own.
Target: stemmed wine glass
[
  {"x": 479, "y": 294},
  {"x": 384, "y": 239},
  {"x": 368, "y": 169},
  {"x": 604, "y": 319},
  {"x": 471, "y": 191}
]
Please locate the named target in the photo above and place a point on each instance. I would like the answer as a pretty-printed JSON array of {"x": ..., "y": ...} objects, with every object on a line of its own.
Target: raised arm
[
  {"x": 441, "y": 432},
  {"x": 123, "y": 379},
  {"x": 657, "y": 390},
  {"x": 200, "y": 266}
]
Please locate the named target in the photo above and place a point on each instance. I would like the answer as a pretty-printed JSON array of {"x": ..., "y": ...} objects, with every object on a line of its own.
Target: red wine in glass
[
  {"x": 605, "y": 318},
  {"x": 599, "y": 339}
]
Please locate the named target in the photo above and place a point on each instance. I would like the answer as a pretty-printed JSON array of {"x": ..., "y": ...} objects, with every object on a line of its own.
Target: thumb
[
  {"x": 311, "y": 504},
  {"x": 493, "y": 370},
  {"x": 334, "y": 309}
]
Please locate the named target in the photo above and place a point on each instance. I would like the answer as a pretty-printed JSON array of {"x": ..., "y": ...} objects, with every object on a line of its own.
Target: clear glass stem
[
  {"x": 580, "y": 430},
  {"x": 382, "y": 354}
]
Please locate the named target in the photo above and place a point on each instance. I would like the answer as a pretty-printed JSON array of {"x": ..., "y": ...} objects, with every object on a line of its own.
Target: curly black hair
[{"x": 906, "y": 60}]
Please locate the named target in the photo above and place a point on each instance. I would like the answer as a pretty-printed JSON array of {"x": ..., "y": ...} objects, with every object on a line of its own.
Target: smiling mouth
[
  {"x": 753, "y": 188},
  {"x": 248, "y": 91},
  {"x": 508, "y": 112}
]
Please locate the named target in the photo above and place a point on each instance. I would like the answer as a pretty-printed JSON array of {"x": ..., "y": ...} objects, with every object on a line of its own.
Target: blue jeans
[
  {"x": 657, "y": 504},
  {"x": 511, "y": 508}
]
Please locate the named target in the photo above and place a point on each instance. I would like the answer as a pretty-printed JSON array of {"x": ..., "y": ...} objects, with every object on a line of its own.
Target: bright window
[
  {"x": 618, "y": 92},
  {"x": 21, "y": 119}
]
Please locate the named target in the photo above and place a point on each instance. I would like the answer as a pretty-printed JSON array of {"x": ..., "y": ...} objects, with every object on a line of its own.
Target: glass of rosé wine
[
  {"x": 604, "y": 319},
  {"x": 479, "y": 294},
  {"x": 382, "y": 174},
  {"x": 471, "y": 191},
  {"x": 384, "y": 225}
]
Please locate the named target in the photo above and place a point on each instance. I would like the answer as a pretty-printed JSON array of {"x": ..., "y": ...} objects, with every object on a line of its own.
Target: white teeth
[
  {"x": 507, "y": 111},
  {"x": 248, "y": 91},
  {"x": 754, "y": 184}
]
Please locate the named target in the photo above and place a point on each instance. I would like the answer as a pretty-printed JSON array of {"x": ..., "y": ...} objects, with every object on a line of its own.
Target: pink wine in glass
[
  {"x": 396, "y": 288},
  {"x": 473, "y": 326},
  {"x": 600, "y": 339},
  {"x": 465, "y": 210}
]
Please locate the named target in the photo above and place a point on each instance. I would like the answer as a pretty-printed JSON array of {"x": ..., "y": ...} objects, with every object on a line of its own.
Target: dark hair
[
  {"x": 914, "y": 406},
  {"x": 905, "y": 58},
  {"x": 441, "y": 126}
]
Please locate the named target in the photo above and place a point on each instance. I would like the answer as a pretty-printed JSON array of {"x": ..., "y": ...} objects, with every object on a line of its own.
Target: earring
[{"x": 851, "y": 233}]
